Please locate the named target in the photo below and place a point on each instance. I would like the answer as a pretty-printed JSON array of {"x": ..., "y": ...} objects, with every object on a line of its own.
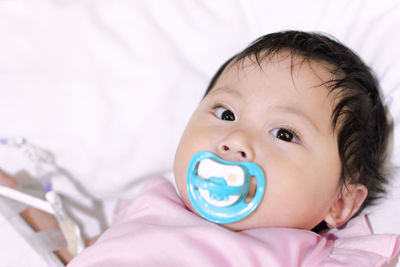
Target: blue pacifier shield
[{"x": 218, "y": 188}]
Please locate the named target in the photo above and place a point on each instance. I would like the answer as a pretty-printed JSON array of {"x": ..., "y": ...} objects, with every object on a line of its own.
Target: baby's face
[{"x": 280, "y": 120}]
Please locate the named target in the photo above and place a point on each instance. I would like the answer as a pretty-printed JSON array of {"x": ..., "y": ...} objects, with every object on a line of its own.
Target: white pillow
[{"x": 109, "y": 85}]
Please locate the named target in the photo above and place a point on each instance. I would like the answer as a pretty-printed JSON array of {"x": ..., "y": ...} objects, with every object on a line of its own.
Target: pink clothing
[{"x": 157, "y": 229}]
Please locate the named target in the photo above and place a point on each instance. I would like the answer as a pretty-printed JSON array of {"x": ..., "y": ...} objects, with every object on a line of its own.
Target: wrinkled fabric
[{"x": 156, "y": 229}]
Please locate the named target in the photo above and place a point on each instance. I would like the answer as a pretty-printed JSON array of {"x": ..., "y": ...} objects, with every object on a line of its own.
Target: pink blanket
[{"x": 156, "y": 229}]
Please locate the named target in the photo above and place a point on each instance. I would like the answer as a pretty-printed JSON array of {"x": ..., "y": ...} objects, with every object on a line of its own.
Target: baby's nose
[
  {"x": 242, "y": 154},
  {"x": 237, "y": 147}
]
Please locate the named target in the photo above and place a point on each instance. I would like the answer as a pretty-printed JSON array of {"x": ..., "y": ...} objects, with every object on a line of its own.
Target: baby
[{"x": 290, "y": 136}]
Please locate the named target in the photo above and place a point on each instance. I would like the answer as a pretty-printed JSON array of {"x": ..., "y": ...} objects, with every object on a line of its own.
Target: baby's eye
[
  {"x": 224, "y": 114},
  {"x": 285, "y": 135}
]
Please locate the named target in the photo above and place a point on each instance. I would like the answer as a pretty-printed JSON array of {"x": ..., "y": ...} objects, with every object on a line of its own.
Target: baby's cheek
[
  {"x": 184, "y": 196},
  {"x": 180, "y": 177}
]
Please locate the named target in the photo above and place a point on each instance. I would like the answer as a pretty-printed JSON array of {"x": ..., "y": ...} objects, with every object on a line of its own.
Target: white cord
[{"x": 26, "y": 199}]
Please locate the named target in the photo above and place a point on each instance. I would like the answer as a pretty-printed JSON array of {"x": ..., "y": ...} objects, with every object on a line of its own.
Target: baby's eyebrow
[
  {"x": 225, "y": 90},
  {"x": 297, "y": 112}
]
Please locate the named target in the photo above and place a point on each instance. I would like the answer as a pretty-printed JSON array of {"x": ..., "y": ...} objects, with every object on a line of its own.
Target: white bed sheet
[{"x": 109, "y": 85}]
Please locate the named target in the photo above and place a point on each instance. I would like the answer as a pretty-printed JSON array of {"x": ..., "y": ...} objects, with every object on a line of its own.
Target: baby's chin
[
  {"x": 244, "y": 224},
  {"x": 230, "y": 226}
]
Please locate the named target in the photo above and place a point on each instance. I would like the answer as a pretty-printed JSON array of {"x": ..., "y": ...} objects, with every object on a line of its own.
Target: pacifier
[{"x": 218, "y": 188}]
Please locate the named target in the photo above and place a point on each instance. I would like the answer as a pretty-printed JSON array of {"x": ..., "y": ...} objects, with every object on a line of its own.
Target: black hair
[{"x": 359, "y": 117}]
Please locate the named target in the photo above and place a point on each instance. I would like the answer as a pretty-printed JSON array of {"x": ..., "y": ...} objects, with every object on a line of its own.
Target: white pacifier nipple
[{"x": 232, "y": 174}]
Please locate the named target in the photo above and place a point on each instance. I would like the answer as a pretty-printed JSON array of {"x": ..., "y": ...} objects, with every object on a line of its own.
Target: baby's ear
[{"x": 346, "y": 205}]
